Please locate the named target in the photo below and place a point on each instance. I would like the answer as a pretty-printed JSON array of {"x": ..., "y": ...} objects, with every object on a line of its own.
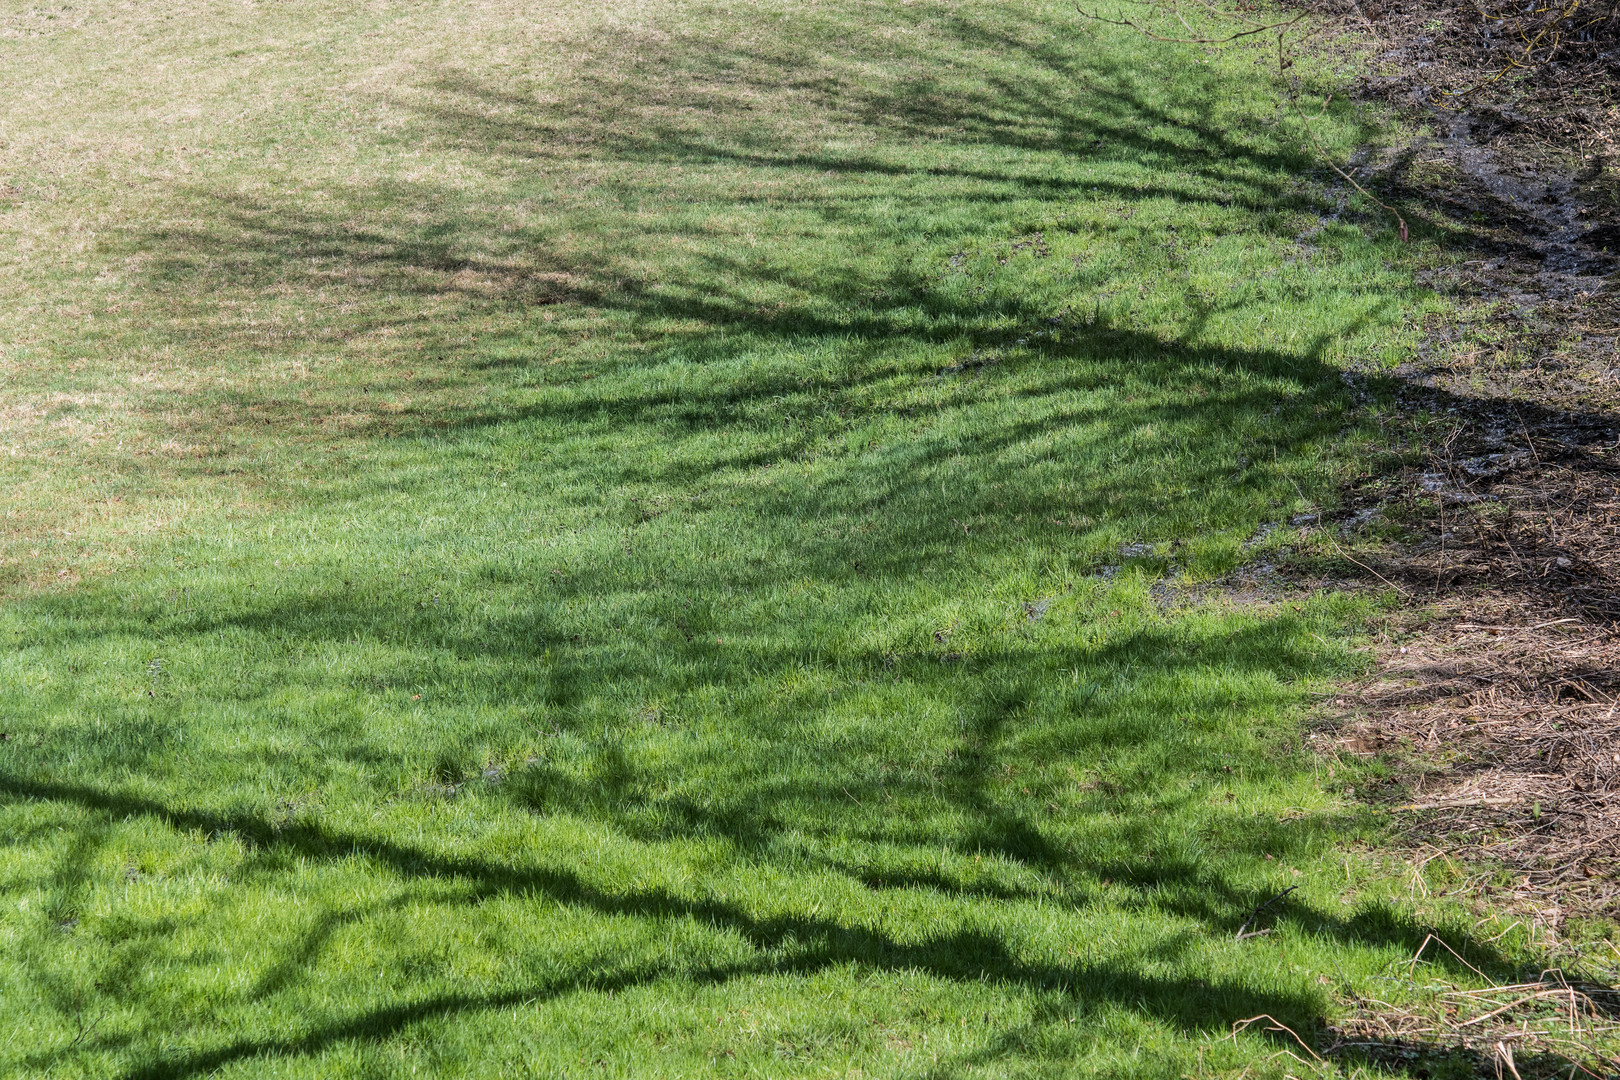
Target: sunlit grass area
[{"x": 660, "y": 541}]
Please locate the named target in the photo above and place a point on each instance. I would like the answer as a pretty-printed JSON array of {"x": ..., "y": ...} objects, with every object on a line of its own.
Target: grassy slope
[{"x": 582, "y": 543}]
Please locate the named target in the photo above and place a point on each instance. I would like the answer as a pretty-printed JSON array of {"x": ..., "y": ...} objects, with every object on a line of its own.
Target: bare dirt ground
[
  {"x": 1501, "y": 688},
  {"x": 1495, "y": 701}
]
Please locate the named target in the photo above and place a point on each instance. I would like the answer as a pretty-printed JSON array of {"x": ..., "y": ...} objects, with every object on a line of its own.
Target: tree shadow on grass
[
  {"x": 802, "y": 944},
  {"x": 999, "y": 693},
  {"x": 1012, "y": 90},
  {"x": 613, "y": 799},
  {"x": 1042, "y": 114},
  {"x": 1069, "y": 112}
]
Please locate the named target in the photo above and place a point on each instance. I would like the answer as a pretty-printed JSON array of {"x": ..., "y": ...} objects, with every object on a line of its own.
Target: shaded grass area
[{"x": 623, "y": 543}]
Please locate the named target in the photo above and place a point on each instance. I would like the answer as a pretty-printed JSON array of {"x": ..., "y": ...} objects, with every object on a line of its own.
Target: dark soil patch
[{"x": 1500, "y": 695}]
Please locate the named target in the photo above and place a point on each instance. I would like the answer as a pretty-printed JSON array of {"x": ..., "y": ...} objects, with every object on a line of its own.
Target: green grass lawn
[{"x": 569, "y": 540}]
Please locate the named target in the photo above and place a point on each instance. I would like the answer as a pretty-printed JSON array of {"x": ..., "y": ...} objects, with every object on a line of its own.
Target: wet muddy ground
[
  {"x": 1497, "y": 691},
  {"x": 1494, "y": 703}
]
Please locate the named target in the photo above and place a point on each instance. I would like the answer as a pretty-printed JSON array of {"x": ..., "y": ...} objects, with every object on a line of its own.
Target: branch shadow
[
  {"x": 1069, "y": 110},
  {"x": 804, "y": 944}
]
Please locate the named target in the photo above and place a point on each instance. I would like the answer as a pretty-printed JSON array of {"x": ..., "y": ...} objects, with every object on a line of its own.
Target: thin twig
[
  {"x": 1449, "y": 949},
  {"x": 1514, "y": 629},
  {"x": 1277, "y": 1025},
  {"x": 1255, "y": 26},
  {"x": 1257, "y": 912},
  {"x": 1293, "y": 97},
  {"x": 1364, "y": 566},
  {"x": 1447, "y": 804}
]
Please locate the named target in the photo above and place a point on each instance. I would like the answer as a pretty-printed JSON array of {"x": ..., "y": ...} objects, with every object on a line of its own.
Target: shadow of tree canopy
[
  {"x": 629, "y": 182},
  {"x": 806, "y": 943},
  {"x": 803, "y": 558}
]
